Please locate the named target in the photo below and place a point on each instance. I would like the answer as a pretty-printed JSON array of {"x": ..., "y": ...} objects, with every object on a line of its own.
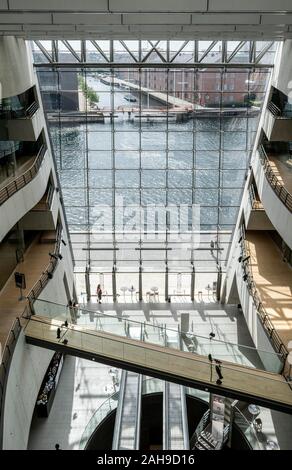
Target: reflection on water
[{"x": 183, "y": 165}]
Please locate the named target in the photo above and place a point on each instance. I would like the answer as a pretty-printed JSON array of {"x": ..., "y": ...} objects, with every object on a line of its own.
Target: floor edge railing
[
  {"x": 28, "y": 311},
  {"x": 160, "y": 327},
  {"x": 278, "y": 187},
  {"x": 47, "y": 273},
  {"x": 22, "y": 180},
  {"x": 274, "y": 109},
  {"x": 249, "y": 426},
  {"x": 21, "y": 113},
  {"x": 255, "y": 203},
  {"x": 263, "y": 315},
  {"x": 6, "y": 357},
  {"x": 31, "y": 109}
]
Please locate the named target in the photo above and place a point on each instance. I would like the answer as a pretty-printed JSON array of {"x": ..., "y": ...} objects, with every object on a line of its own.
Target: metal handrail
[
  {"x": 145, "y": 325},
  {"x": 29, "y": 112},
  {"x": 274, "y": 109},
  {"x": 117, "y": 428},
  {"x": 274, "y": 181},
  {"x": 22, "y": 180},
  {"x": 252, "y": 288},
  {"x": 46, "y": 204},
  {"x": 93, "y": 422},
  {"x": 42, "y": 282},
  {"x": 249, "y": 425},
  {"x": 20, "y": 113},
  {"x": 255, "y": 203}
]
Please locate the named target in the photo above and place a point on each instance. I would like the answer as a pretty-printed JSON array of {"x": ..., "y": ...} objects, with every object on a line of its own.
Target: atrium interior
[{"x": 145, "y": 225}]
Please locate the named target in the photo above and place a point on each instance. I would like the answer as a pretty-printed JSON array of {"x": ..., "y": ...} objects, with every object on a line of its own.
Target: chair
[{"x": 148, "y": 295}]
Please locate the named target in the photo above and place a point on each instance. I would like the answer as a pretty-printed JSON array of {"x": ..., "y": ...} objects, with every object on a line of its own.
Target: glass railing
[
  {"x": 161, "y": 335},
  {"x": 19, "y": 106},
  {"x": 149, "y": 385},
  {"x": 190, "y": 368},
  {"x": 275, "y": 182},
  {"x": 22, "y": 180},
  {"x": 107, "y": 407},
  {"x": 200, "y": 394},
  {"x": 9, "y": 147},
  {"x": 252, "y": 288},
  {"x": 247, "y": 429}
]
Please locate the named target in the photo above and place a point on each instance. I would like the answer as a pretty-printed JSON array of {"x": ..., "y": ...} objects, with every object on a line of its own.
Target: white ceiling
[{"x": 157, "y": 19}]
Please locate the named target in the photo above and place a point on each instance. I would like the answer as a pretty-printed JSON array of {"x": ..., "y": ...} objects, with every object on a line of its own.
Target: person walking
[{"x": 99, "y": 293}]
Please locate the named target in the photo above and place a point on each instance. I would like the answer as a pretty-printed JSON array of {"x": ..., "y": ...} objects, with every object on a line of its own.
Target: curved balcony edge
[
  {"x": 244, "y": 272},
  {"x": 276, "y": 200},
  {"x": 23, "y": 193}
]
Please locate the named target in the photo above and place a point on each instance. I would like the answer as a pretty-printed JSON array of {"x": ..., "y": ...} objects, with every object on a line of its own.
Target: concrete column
[
  {"x": 219, "y": 281},
  {"x": 166, "y": 283},
  {"x": 193, "y": 282},
  {"x": 140, "y": 284},
  {"x": 87, "y": 284},
  {"x": 114, "y": 282}
]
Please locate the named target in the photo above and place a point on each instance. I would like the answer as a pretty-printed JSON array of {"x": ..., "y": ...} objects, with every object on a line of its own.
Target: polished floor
[
  {"x": 36, "y": 259},
  {"x": 273, "y": 279},
  {"x": 282, "y": 168}
]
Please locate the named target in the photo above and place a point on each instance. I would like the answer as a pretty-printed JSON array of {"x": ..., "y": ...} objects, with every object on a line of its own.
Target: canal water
[{"x": 200, "y": 161}]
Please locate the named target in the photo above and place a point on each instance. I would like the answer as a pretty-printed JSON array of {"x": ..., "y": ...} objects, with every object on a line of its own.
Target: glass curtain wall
[{"x": 150, "y": 144}]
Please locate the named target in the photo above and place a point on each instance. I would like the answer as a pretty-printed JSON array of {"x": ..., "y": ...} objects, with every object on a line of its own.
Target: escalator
[
  {"x": 175, "y": 421},
  {"x": 127, "y": 424},
  {"x": 128, "y": 417}
]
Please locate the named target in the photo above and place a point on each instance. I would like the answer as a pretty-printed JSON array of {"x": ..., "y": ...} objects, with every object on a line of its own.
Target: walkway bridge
[{"x": 239, "y": 381}]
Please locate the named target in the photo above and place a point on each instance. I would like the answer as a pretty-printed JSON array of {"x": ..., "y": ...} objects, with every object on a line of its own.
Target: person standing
[{"x": 99, "y": 293}]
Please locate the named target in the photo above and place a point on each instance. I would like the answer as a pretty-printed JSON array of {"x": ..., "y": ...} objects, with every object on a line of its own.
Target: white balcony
[
  {"x": 27, "y": 128},
  {"x": 274, "y": 186},
  {"x": 24, "y": 193},
  {"x": 277, "y": 126}
]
